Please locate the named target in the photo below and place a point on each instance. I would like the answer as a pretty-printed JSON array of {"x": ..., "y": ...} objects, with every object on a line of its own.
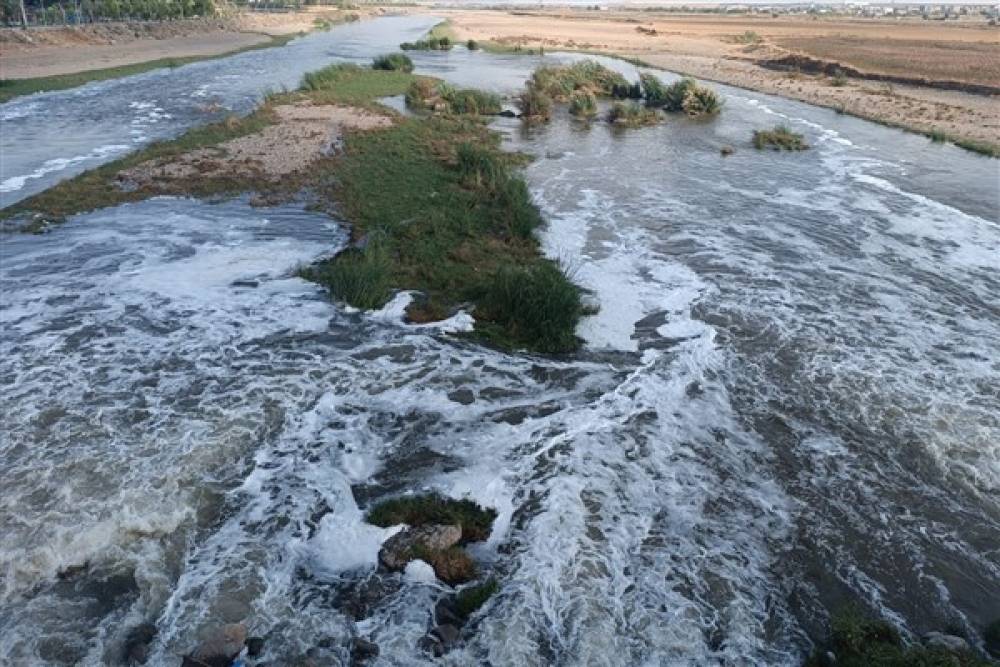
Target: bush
[
  {"x": 780, "y": 138},
  {"x": 583, "y": 104},
  {"x": 839, "y": 79},
  {"x": 653, "y": 90},
  {"x": 394, "y": 62},
  {"x": 627, "y": 91},
  {"x": 673, "y": 96},
  {"x": 421, "y": 93},
  {"x": 470, "y": 600},
  {"x": 701, "y": 101},
  {"x": 749, "y": 37},
  {"x": 472, "y": 45},
  {"x": 431, "y": 44},
  {"x": 937, "y": 136},
  {"x": 431, "y": 508},
  {"x": 534, "y": 104},
  {"x": 632, "y": 114},
  {"x": 559, "y": 82},
  {"x": 481, "y": 168},
  {"x": 863, "y": 642},
  {"x": 473, "y": 102},
  {"x": 360, "y": 278},
  {"x": 535, "y": 305}
]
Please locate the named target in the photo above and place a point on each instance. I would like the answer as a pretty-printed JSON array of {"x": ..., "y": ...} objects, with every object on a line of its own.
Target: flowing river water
[{"x": 788, "y": 403}]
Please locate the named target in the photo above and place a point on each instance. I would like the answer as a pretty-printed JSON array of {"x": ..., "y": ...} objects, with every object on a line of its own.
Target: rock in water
[
  {"x": 409, "y": 544},
  {"x": 220, "y": 649},
  {"x": 136, "y": 649},
  {"x": 947, "y": 642}
]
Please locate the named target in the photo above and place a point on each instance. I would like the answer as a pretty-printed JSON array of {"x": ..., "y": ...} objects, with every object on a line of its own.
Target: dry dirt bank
[
  {"x": 47, "y": 52},
  {"x": 715, "y": 48}
]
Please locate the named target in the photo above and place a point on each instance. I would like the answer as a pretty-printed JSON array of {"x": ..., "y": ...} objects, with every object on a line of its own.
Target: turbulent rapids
[{"x": 788, "y": 404}]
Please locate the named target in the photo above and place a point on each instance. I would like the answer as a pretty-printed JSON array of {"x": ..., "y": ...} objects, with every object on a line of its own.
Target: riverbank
[
  {"x": 752, "y": 52},
  {"x": 59, "y": 58},
  {"x": 436, "y": 206}
]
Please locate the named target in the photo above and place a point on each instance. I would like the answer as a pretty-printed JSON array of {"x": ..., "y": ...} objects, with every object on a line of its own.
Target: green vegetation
[
  {"x": 431, "y": 508},
  {"x": 428, "y": 95},
  {"x": 981, "y": 147},
  {"x": 701, "y": 101},
  {"x": 11, "y": 88},
  {"x": 432, "y": 44},
  {"x": 653, "y": 90},
  {"x": 937, "y": 136},
  {"x": 470, "y": 600},
  {"x": 360, "y": 277},
  {"x": 438, "y": 202},
  {"x": 536, "y": 303},
  {"x": 393, "y": 62},
  {"x": 559, "y": 82},
  {"x": 534, "y": 103},
  {"x": 633, "y": 114},
  {"x": 472, "y": 45},
  {"x": 349, "y": 84},
  {"x": 583, "y": 104},
  {"x": 748, "y": 37},
  {"x": 780, "y": 139},
  {"x": 857, "y": 641}
]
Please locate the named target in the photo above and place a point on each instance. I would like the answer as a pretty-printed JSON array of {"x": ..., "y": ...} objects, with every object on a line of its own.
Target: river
[{"x": 788, "y": 403}]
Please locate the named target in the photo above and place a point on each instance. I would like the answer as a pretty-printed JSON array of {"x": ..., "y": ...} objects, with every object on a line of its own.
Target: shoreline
[
  {"x": 713, "y": 49},
  {"x": 67, "y": 57}
]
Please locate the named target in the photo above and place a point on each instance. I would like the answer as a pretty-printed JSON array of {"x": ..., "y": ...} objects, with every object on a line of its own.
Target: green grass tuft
[
  {"x": 535, "y": 104},
  {"x": 559, "y": 82},
  {"x": 583, "y": 104},
  {"x": 857, "y": 641},
  {"x": 359, "y": 277},
  {"x": 780, "y": 139},
  {"x": 536, "y": 305},
  {"x": 701, "y": 101},
  {"x": 470, "y": 600},
  {"x": 431, "y": 508},
  {"x": 472, "y": 45},
  {"x": 393, "y": 62},
  {"x": 633, "y": 114}
]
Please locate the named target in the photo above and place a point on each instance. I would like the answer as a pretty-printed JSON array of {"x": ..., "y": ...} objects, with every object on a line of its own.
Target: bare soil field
[{"x": 731, "y": 49}]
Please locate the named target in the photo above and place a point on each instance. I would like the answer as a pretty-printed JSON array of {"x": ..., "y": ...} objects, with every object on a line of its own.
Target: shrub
[
  {"x": 632, "y": 114},
  {"x": 701, "y": 101},
  {"x": 359, "y": 277},
  {"x": 394, "y": 62},
  {"x": 839, "y": 79},
  {"x": 535, "y": 305},
  {"x": 470, "y": 600},
  {"x": 937, "y": 136},
  {"x": 328, "y": 77},
  {"x": 863, "y": 642},
  {"x": 583, "y": 104},
  {"x": 748, "y": 37},
  {"x": 473, "y": 102},
  {"x": 559, "y": 82},
  {"x": 653, "y": 90},
  {"x": 481, "y": 168},
  {"x": 421, "y": 93},
  {"x": 626, "y": 91},
  {"x": 431, "y": 508},
  {"x": 431, "y": 44},
  {"x": 780, "y": 138},
  {"x": 472, "y": 45},
  {"x": 673, "y": 96},
  {"x": 534, "y": 104}
]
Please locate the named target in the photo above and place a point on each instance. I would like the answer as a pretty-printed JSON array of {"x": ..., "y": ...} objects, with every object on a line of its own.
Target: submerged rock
[
  {"x": 362, "y": 651},
  {"x": 255, "y": 646},
  {"x": 412, "y": 543},
  {"x": 950, "y": 643},
  {"x": 136, "y": 648},
  {"x": 220, "y": 649}
]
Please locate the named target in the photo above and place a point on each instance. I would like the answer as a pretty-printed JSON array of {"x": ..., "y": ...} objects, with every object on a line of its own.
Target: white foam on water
[{"x": 15, "y": 183}]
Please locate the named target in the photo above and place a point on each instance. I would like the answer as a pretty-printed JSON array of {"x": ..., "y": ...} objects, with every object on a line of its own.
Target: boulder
[
  {"x": 362, "y": 651},
  {"x": 950, "y": 643},
  {"x": 220, "y": 648},
  {"x": 412, "y": 543},
  {"x": 136, "y": 648}
]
